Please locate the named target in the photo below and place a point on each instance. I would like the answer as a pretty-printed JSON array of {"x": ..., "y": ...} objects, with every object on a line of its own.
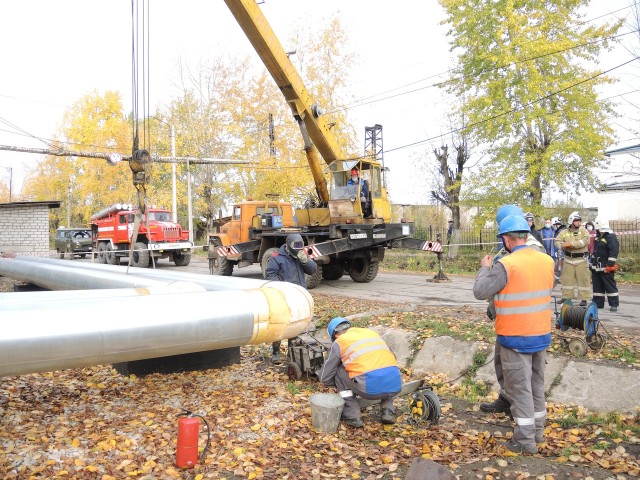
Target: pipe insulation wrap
[
  {"x": 209, "y": 282},
  {"x": 54, "y": 335}
]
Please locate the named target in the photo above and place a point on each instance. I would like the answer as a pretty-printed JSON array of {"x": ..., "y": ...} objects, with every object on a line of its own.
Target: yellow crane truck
[{"x": 348, "y": 228}]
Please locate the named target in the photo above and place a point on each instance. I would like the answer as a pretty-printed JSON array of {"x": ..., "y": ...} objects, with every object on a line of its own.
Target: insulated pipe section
[
  {"x": 50, "y": 334},
  {"x": 209, "y": 282},
  {"x": 63, "y": 277},
  {"x": 12, "y": 301}
]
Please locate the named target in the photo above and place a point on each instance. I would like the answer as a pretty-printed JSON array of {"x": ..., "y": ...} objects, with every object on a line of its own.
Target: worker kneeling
[{"x": 360, "y": 363}]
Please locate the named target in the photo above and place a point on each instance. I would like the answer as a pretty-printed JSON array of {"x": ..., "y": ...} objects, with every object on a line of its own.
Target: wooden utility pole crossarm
[{"x": 116, "y": 157}]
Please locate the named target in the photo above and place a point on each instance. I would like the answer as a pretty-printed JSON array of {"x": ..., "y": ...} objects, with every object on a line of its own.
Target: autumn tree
[
  {"x": 525, "y": 72},
  {"x": 224, "y": 112},
  {"x": 4, "y": 191},
  {"x": 84, "y": 186}
]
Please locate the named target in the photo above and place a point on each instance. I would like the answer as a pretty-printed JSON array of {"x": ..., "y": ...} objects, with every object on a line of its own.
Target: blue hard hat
[
  {"x": 513, "y": 223},
  {"x": 506, "y": 210},
  {"x": 331, "y": 328}
]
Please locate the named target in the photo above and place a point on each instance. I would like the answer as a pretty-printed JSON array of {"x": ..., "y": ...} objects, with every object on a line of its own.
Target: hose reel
[
  {"x": 584, "y": 319},
  {"x": 424, "y": 407}
]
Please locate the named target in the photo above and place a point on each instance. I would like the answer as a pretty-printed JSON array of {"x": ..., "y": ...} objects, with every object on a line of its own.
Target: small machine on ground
[
  {"x": 583, "y": 318},
  {"x": 305, "y": 355}
]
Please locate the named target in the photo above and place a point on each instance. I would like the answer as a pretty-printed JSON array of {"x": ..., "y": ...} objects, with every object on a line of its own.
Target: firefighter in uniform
[
  {"x": 522, "y": 283},
  {"x": 574, "y": 243},
  {"x": 360, "y": 363},
  {"x": 604, "y": 265},
  {"x": 501, "y": 404}
]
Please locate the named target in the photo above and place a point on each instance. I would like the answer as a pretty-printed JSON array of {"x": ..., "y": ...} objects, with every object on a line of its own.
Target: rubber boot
[{"x": 500, "y": 405}]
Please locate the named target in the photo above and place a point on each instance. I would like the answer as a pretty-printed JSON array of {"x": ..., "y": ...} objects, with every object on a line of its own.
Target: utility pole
[
  {"x": 174, "y": 204},
  {"x": 189, "y": 202},
  {"x": 10, "y": 170}
]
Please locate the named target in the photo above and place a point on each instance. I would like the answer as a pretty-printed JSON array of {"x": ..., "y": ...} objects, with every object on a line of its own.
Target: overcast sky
[{"x": 54, "y": 52}]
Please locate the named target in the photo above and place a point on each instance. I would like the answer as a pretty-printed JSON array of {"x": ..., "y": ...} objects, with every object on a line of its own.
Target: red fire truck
[{"x": 158, "y": 236}]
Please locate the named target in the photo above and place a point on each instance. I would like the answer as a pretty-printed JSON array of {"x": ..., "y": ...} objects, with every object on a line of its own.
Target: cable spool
[
  {"x": 424, "y": 406},
  {"x": 584, "y": 319}
]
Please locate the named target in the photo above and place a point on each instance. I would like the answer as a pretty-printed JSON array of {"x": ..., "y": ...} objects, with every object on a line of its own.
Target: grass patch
[{"x": 622, "y": 354}]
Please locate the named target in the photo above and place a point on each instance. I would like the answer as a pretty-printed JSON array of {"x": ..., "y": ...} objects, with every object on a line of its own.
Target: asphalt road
[{"x": 419, "y": 289}]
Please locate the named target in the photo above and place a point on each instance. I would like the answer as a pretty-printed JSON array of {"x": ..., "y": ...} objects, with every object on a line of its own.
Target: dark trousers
[{"x": 604, "y": 284}]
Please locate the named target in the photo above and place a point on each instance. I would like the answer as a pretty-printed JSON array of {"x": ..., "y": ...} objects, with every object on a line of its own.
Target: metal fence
[{"x": 628, "y": 233}]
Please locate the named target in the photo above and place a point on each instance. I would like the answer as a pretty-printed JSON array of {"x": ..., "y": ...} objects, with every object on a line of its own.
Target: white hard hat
[
  {"x": 574, "y": 216},
  {"x": 601, "y": 224}
]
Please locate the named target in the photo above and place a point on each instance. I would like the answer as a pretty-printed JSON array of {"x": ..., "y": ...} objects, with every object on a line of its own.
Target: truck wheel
[
  {"x": 181, "y": 259},
  {"x": 110, "y": 256},
  {"x": 332, "y": 272},
  {"x": 61, "y": 254},
  {"x": 102, "y": 256},
  {"x": 140, "y": 255},
  {"x": 266, "y": 256},
  {"x": 314, "y": 280},
  {"x": 363, "y": 270},
  {"x": 220, "y": 266}
]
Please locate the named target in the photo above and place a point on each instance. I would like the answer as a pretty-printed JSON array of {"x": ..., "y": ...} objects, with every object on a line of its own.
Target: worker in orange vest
[
  {"x": 521, "y": 284},
  {"x": 361, "y": 364}
]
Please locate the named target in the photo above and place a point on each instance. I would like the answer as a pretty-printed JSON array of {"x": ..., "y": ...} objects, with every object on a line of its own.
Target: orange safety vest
[
  {"x": 362, "y": 350},
  {"x": 523, "y": 306}
]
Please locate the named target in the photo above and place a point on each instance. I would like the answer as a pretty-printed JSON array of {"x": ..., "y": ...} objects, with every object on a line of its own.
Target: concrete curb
[{"x": 595, "y": 386}]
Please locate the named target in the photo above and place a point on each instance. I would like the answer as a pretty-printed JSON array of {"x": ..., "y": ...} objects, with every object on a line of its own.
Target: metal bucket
[{"x": 326, "y": 409}]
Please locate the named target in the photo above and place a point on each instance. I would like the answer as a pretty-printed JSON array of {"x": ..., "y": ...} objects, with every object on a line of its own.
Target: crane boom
[{"x": 261, "y": 35}]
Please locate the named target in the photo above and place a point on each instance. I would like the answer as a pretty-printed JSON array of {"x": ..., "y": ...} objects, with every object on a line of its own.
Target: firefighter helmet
[
  {"x": 601, "y": 224},
  {"x": 556, "y": 221},
  {"x": 573, "y": 217},
  {"x": 529, "y": 216}
]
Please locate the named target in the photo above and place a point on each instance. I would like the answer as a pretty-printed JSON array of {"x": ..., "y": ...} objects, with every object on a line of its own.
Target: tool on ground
[
  {"x": 305, "y": 355},
  {"x": 583, "y": 318},
  {"x": 188, "y": 433},
  {"x": 424, "y": 407}
]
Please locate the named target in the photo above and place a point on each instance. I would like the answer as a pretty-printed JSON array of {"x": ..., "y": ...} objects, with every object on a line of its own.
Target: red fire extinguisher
[{"x": 188, "y": 432}]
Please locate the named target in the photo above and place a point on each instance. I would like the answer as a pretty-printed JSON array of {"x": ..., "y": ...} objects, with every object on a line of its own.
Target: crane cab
[{"x": 361, "y": 201}]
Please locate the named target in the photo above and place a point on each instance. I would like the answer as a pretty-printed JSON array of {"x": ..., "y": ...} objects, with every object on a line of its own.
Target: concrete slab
[
  {"x": 399, "y": 341},
  {"x": 554, "y": 367},
  {"x": 444, "y": 355},
  {"x": 598, "y": 387}
]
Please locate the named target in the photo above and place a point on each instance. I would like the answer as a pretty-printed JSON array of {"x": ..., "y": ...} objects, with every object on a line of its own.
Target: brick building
[{"x": 24, "y": 227}]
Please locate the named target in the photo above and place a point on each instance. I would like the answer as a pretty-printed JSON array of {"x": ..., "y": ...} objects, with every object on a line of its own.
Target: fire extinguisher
[{"x": 188, "y": 432}]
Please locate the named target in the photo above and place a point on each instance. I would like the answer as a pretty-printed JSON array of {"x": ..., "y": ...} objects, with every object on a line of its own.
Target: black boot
[{"x": 500, "y": 405}]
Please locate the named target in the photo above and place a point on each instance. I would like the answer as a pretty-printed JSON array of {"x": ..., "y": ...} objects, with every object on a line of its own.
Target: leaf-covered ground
[{"x": 93, "y": 423}]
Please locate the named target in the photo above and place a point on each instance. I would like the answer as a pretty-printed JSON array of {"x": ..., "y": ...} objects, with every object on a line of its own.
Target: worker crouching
[{"x": 361, "y": 364}]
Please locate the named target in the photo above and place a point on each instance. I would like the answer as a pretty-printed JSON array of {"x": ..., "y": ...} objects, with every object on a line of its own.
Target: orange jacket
[
  {"x": 523, "y": 305},
  {"x": 362, "y": 351}
]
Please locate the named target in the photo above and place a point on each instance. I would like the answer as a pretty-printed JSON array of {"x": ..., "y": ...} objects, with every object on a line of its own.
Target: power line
[{"x": 515, "y": 109}]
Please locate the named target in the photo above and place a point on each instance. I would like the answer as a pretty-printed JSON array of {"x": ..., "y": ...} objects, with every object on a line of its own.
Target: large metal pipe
[
  {"x": 54, "y": 335},
  {"x": 64, "y": 277},
  {"x": 74, "y": 281},
  {"x": 44, "y": 331},
  {"x": 18, "y": 300}
]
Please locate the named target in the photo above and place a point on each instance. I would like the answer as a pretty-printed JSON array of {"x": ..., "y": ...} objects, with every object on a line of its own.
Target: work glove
[
  {"x": 611, "y": 268},
  {"x": 567, "y": 245},
  {"x": 302, "y": 256},
  {"x": 490, "y": 314}
]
